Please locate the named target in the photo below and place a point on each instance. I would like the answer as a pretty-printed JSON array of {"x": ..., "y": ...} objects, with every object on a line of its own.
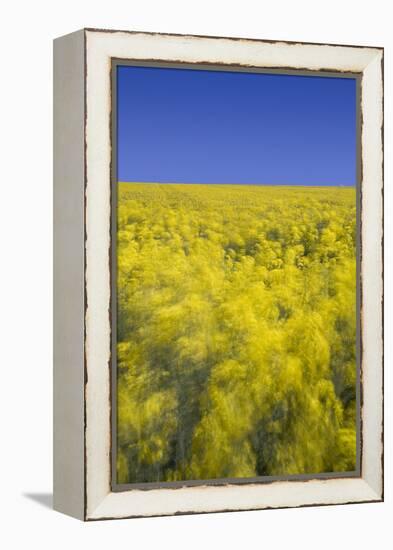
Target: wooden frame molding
[{"x": 82, "y": 241}]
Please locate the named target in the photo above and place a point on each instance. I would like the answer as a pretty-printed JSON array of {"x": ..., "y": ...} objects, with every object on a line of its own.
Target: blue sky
[{"x": 197, "y": 126}]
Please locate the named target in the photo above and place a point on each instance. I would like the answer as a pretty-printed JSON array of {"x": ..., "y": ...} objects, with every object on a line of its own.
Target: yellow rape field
[{"x": 236, "y": 331}]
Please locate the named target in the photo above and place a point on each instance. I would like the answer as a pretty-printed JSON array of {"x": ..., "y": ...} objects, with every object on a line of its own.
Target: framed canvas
[{"x": 218, "y": 268}]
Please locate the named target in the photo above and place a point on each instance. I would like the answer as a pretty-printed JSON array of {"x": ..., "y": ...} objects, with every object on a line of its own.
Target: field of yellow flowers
[{"x": 236, "y": 331}]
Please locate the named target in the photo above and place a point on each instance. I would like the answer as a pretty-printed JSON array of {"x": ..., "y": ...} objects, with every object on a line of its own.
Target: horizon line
[{"x": 225, "y": 183}]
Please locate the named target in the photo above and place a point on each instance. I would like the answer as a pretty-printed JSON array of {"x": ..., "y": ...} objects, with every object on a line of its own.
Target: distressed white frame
[{"x": 99, "y": 48}]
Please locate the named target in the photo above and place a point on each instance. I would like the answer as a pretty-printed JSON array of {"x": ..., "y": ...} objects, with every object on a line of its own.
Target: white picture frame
[{"x": 82, "y": 255}]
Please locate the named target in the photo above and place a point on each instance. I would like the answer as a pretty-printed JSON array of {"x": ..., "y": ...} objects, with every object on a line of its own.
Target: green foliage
[{"x": 236, "y": 331}]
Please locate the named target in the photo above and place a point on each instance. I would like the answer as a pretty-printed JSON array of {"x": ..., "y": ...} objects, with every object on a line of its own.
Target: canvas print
[{"x": 236, "y": 274}]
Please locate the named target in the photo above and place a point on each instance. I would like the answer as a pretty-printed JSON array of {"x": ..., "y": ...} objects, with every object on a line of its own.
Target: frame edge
[{"x": 68, "y": 272}]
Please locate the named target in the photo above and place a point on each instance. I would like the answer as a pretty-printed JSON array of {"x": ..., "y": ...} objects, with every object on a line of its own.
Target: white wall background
[{"x": 28, "y": 28}]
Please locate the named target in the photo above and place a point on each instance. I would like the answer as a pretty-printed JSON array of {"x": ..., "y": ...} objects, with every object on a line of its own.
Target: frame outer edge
[
  {"x": 373, "y": 276},
  {"x": 68, "y": 294}
]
